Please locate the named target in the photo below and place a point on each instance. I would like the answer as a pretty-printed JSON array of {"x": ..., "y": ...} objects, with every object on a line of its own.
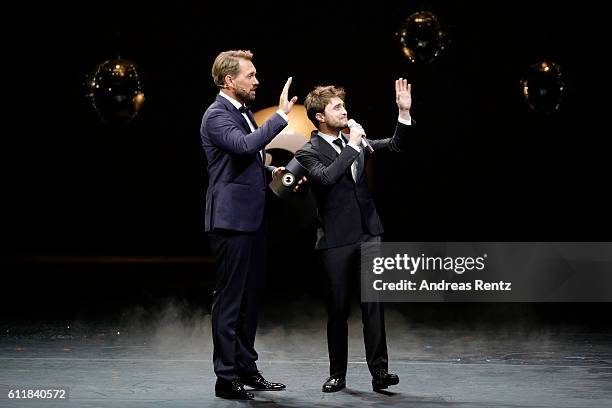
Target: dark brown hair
[{"x": 318, "y": 98}]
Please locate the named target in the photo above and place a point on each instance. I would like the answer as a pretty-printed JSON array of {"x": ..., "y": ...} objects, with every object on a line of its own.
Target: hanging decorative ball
[{"x": 115, "y": 91}]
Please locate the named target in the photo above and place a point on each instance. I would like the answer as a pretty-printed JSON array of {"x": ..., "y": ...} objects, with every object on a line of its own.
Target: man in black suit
[
  {"x": 235, "y": 202},
  {"x": 347, "y": 217}
]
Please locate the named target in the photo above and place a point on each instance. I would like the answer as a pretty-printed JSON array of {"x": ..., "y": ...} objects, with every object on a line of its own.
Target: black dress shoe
[
  {"x": 334, "y": 383},
  {"x": 257, "y": 382},
  {"x": 231, "y": 390},
  {"x": 382, "y": 379}
]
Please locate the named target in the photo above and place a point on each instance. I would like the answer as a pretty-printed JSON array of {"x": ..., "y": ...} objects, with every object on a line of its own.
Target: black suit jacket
[{"x": 346, "y": 208}]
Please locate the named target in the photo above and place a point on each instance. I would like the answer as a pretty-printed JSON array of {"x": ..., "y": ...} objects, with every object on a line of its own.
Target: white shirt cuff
[
  {"x": 406, "y": 122},
  {"x": 354, "y": 146},
  {"x": 283, "y": 115}
]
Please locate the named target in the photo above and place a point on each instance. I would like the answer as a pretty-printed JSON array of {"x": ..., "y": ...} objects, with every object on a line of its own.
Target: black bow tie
[{"x": 244, "y": 109}]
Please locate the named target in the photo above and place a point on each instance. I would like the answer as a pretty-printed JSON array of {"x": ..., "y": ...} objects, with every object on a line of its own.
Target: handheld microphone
[{"x": 351, "y": 123}]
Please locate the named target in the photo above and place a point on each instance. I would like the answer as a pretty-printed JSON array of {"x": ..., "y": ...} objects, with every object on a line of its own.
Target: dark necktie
[
  {"x": 338, "y": 142},
  {"x": 244, "y": 109},
  {"x": 353, "y": 169}
]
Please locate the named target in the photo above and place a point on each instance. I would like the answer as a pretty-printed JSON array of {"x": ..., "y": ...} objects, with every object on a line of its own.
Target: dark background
[{"x": 482, "y": 167}]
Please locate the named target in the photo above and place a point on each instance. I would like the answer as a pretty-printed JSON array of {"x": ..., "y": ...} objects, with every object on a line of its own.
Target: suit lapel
[
  {"x": 330, "y": 153},
  {"x": 235, "y": 114},
  {"x": 252, "y": 119},
  {"x": 359, "y": 160},
  {"x": 361, "y": 163},
  {"x": 322, "y": 146},
  {"x": 240, "y": 119}
]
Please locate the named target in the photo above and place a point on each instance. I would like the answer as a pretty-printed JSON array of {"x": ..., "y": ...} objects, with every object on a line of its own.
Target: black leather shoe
[
  {"x": 257, "y": 382},
  {"x": 231, "y": 390},
  {"x": 334, "y": 383},
  {"x": 383, "y": 379}
]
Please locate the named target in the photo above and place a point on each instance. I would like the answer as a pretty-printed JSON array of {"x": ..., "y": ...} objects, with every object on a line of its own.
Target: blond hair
[{"x": 228, "y": 63}]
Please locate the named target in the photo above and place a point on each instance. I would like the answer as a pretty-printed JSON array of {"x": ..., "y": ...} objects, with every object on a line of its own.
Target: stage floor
[{"x": 167, "y": 363}]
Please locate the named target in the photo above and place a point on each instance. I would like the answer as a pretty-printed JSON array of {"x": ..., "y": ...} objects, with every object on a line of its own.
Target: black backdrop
[{"x": 482, "y": 166}]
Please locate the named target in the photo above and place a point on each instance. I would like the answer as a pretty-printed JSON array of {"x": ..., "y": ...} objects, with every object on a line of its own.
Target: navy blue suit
[{"x": 235, "y": 204}]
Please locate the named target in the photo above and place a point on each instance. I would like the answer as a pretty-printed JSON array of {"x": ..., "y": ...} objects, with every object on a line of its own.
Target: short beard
[
  {"x": 245, "y": 96},
  {"x": 339, "y": 126}
]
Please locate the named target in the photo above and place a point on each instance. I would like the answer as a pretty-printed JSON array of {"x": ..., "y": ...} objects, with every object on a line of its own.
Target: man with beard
[
  {"x": 348, "y": 217},
  {"x": 235, "y": 202}
]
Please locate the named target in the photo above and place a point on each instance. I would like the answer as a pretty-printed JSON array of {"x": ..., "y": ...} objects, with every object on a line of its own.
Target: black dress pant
[
  {"x": 341, "y": 267},
  {"x": 240, "y": 262}
]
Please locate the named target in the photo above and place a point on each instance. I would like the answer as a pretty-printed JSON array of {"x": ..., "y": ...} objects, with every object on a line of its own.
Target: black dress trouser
[{"x": 341, "y": 267}]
